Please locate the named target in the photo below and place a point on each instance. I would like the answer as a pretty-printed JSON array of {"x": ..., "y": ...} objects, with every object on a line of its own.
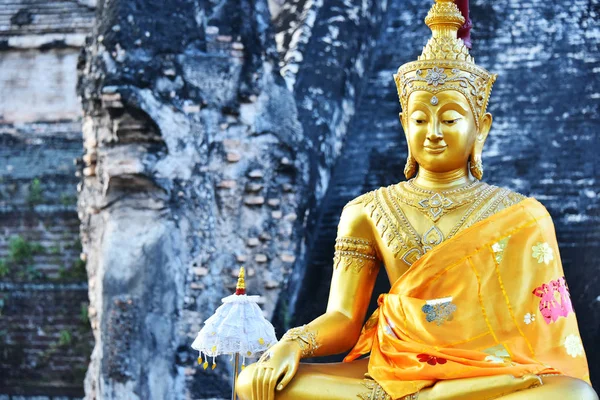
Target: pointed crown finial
[
  {"x": 240, "y": 288},
  {"x": 444, "y": 17}
]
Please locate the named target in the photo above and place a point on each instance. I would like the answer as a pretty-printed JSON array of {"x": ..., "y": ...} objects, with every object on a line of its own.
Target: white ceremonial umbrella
[{"x": 238, "y": 327}]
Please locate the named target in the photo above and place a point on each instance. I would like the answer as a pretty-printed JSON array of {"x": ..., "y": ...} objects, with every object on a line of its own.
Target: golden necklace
[{"x": 436, "y": 204}]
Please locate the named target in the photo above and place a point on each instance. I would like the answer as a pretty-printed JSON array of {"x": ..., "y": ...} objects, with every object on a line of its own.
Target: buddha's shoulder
[
  {"x": 504, "y": 197},
  {"x": 367, "y": 198},
  {"x": 501, "y": 198},
  {"x": 354, "y": 220},
  {"x": 361, "y": 201}
]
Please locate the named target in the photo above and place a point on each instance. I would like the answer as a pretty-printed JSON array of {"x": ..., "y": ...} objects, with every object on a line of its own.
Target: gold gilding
[{"x": 445, "y": 64}]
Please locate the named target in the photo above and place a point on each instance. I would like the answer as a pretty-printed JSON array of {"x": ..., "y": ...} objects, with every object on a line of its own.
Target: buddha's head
[{"x": 444, "y": 96}]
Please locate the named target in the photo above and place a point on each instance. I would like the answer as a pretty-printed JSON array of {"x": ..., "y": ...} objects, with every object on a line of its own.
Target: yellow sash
[{"x": 490, "y": 301}]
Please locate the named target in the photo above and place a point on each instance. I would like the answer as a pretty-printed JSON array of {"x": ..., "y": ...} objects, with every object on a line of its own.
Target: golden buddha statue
[{"x": 478, "y": 307}]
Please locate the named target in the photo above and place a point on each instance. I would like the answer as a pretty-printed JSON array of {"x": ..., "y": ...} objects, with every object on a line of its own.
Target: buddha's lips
[{"x": 435, "y": 150}]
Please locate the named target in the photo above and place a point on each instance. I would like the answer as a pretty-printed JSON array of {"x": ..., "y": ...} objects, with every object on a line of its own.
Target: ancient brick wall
[{"x": 45, "y": 339}]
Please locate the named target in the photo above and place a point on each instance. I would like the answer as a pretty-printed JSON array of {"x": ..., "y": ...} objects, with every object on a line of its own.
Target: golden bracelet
[{"x": 306, "y": 339}]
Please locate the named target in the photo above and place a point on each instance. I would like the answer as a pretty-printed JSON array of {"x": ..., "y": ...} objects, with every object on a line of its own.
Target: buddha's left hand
[{"x": 278, "y": 364}]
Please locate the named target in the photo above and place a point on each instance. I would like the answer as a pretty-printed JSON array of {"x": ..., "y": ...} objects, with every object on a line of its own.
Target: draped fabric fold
[{"x": 490, "y": 301}]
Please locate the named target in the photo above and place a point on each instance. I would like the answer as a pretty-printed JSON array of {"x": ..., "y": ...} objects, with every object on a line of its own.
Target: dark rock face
[
  {"x": 543, "y": 143},
  {"x": 197, "y": 161},
  {"x": 195, "y": 164}
]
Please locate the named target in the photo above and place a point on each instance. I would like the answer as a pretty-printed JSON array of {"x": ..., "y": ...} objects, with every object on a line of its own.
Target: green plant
[
  {"x": 4, "y": 268},
  {"x": 20, "y": 259},
  {"x": 21, "y": 251},
  {"x": 83, "y": 314},
  {"x": 35, "y": 195},
  {"x": 29, "y": 273},
  {"x": 54, "y": 250},
  {"x": 37, "y": 248},
  {"x": 64, "y": 338},
  {"x": 76, "y": 273},
  {"x": 67, "y": 199},
  {"x": 79, "y": 267},
  {"x": 75, "y": 245}
]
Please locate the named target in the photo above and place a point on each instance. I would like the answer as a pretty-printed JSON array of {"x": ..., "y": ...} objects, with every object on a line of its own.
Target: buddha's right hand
[{"x": 276, "y": 367}]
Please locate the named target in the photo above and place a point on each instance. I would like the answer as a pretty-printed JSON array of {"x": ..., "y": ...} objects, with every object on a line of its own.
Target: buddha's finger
[
  {"x": 260, "y": 384},
  {"x": 271, "y": 387},
  {"x": 279, "y": 375},
  {"x": 256, "y": 382},
  {"x": 289, "y": 374},
  {"x": 264, "y": 384}
]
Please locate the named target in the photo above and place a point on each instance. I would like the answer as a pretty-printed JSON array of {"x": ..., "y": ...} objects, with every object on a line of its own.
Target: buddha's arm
[
  {"x": 354, "y": 274},
  {"x": 355, "y": 270}
]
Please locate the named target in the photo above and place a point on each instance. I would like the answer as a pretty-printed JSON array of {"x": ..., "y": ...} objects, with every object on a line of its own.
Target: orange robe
[{"x": 490, "y": 301}]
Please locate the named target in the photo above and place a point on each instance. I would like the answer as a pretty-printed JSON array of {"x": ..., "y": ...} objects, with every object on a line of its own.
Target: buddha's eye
[
  {"x": 451, "y": 121},
  {"x": 450, "y": 117},
  {"x": 419, "y": 118}
]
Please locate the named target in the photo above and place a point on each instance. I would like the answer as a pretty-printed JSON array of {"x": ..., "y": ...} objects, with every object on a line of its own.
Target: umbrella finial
[{"x": 241, "y": 283}]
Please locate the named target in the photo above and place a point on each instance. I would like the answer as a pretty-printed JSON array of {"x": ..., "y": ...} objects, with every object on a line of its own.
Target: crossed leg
[
  {"x": 557, "y": 388},
  {"x": 328, "y": 381}
]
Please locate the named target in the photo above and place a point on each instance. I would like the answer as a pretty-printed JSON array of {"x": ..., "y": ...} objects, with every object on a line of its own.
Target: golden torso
[{"x": 403, "y": 221}]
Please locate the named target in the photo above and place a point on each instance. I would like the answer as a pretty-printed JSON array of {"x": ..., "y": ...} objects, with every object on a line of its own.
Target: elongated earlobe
[
  {"x": 475, "y": 161},
  {"x": 476, "y": 166},
  {"x": 410, "y": 168}
]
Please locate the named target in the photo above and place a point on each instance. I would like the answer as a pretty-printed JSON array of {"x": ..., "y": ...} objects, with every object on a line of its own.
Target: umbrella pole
[{"x": 235, "y": 374}]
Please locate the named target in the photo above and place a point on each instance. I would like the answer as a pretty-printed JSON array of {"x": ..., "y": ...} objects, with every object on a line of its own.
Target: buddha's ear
[
  {"x": 485, "y": 124},
  {"x": 411, "y": 164},
  {"x": 402, "y": 122},
  {"x": 475, "y": 163}
]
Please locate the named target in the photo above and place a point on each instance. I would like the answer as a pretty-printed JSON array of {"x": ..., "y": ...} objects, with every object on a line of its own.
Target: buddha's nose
[{"x": 435, "y": 133}]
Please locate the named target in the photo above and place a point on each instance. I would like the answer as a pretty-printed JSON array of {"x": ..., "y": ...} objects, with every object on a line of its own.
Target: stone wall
[
  {"x": 45, "y": 334},
  {"x": 45, "y": 339}
]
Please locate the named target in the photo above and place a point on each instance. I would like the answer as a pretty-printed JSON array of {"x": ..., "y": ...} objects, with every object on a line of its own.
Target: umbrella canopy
[{"x": 237, "y": 326}]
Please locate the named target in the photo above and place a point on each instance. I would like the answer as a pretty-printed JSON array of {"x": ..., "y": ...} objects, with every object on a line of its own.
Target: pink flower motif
[{"x": 551, "y": 306}]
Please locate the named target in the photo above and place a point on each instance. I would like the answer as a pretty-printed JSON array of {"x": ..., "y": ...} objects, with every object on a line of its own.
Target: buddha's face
[{"x": 441, "y": 130}]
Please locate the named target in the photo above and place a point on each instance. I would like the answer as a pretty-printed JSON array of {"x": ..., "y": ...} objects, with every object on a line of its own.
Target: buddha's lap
[
  {"x": 355, "y": 369},
  {"x": 350, "y": 376},
  {"x": 352, "y": 370}
]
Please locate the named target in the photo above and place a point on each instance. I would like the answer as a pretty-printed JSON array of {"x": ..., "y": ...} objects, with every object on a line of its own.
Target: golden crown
[{"x": 445, "y": 63}]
